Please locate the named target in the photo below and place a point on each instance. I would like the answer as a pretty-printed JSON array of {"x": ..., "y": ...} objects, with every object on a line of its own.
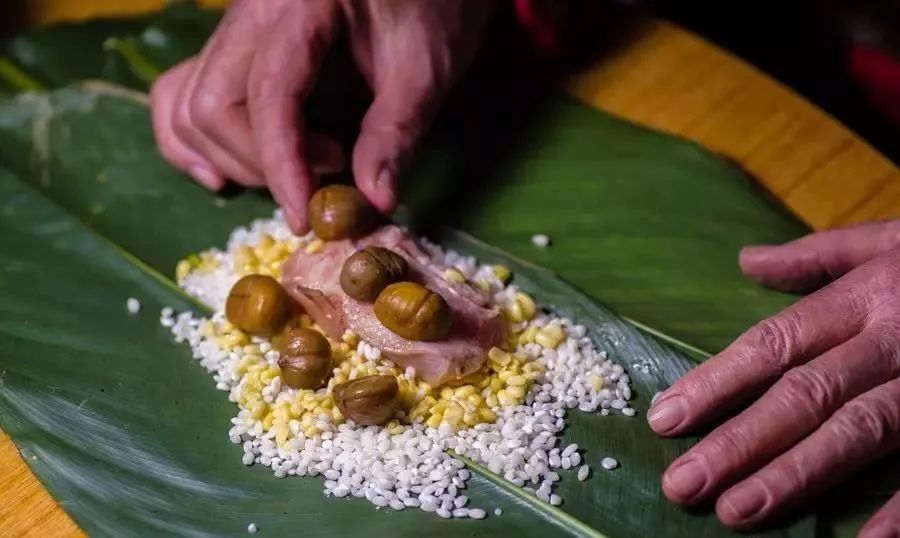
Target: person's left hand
[
  {"x": 822, "y": 380},
  {"x": 236, "y": 110}
]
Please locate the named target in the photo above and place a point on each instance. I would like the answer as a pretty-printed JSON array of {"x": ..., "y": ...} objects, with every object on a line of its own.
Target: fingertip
[
  {"x": 292, "y": 185},
  {"x": 788, "y": 267},
  {"x": 753, "y": 258},
  {"x": 375, "y": 173},
  {"x": 207, "y": 177},
  {"x": 668, "y": 415},
  {"x": 296, "y": 221},
  {"x": 381, "y": 190},
  {"x": 685, "y": 481}
]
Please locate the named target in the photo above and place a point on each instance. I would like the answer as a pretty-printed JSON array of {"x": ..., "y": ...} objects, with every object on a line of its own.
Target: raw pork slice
[{"x": 313, "y": 280}]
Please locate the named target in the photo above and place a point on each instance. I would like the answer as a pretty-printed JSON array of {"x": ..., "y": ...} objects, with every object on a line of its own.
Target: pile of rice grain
[{"x": 399, "y": 465}]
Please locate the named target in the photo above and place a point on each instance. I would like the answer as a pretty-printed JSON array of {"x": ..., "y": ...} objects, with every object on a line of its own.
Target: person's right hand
[
  {"x": 817, "y": 385},
  {"x": 236, "y": 110}
]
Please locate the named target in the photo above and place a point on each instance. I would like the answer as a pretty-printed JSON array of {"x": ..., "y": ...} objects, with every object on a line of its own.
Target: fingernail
[
  {"x": 882, "y": 530},
  {"x": 385, "y": 179},
  {"x": 686, "y": 480},
  {"x": 667, "y": 414},
  {"x": 205, "y": 176},
  {"x": 744, "y": 502},
  {"x": 755, "y": 253}
]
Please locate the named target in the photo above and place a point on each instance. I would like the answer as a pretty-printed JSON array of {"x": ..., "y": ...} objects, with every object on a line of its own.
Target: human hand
[
  {"x": 236, "y": 110},
  {"x": 822, "y": 380}
]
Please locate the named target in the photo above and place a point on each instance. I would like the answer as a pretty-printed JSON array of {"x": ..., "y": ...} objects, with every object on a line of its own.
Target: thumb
[
  {"x": 390, "y": 131},
  {"x": 815, "y": 259}
]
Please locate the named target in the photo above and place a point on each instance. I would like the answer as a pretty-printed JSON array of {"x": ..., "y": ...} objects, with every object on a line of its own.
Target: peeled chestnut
[
  {"x": 414, "y": 312},
  {"x": 369, "y": 401},
  {"x": 339, "y": 212},
  {"x": 305, "y": 358},
  {"x": 257, "y": 304},
  {"x": 370, "y": 270}
]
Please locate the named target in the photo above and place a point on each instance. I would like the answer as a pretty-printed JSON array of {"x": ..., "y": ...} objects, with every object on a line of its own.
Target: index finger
[
  {"x": 283, "y": 73},
  {"x": 758, "y": 358}
]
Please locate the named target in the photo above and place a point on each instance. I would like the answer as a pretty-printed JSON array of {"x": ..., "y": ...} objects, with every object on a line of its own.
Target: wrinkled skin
[
  {"x": 235, "y": 111},
  {"x": 827, "y": 372}
]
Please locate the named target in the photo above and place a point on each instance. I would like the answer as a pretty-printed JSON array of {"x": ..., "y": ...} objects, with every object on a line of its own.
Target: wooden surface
[
  {"x": 668, "y": 79},
  {"x": 676, "y": 82}
]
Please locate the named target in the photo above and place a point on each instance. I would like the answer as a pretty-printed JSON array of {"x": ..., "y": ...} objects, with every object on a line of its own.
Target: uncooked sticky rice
[{"x": 508, "y": 419}]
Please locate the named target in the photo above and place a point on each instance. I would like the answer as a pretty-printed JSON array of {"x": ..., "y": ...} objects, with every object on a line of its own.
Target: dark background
[{"x": 804, "y": 44}]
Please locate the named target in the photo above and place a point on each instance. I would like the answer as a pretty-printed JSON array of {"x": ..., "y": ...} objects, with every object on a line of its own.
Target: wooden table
[{"x": 667, "y": 79}]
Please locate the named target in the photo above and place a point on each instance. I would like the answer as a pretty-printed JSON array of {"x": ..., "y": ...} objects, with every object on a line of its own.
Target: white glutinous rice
[
  {"x": 252, "y": 528},
  {"x": 540, "y": 240},
  {"x": 511, "y": 422},
  {"x": 583, "y": 473},
  {"x": 132, "y": 305},
  {"x": 609, "y": 464}
]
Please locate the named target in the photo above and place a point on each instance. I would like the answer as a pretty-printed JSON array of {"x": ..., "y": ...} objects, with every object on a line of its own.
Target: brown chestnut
[
  {"x": 339, "y": 212},
  {"x": 369, "y": 401},
  {"x": 370, "y": 270},
  {"x": 414, "y": 312}
]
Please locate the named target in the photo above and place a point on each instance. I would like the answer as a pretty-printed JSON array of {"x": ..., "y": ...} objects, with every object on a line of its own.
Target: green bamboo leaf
[
  {"x": 123, "y": 429},
  {"x": 59, "y": 55},
  {"x": 130, "y": 52},
  {"x": 655, "y": 224},
  {"x": 91, "y": 391}
]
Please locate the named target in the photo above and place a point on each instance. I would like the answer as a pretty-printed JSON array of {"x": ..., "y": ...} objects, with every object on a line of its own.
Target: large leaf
[
  {"x": 114, "y": 50},
  {"x": 123, "y": 429},
  {"x": 665, "y": 230},
  {"x": 649, "y": 224},
  {"x": 93, "y": 197}
]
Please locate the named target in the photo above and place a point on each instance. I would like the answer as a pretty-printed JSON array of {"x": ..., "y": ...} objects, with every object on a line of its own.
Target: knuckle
[
  {"x": 884, "y": 335},
  {"x": 871, "y": 418},
  {"x": 404, "y": 128},
  {"x": 810, "y": 390},
  {"x": 206, "y": 108},
  {"x": 266, "y": 89},
  {"x": 775, "y": 337},
  {"x": 277, "y": 77},
  {"x": 887, "y": 232},
  {"x": 730, "y": 445}
]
